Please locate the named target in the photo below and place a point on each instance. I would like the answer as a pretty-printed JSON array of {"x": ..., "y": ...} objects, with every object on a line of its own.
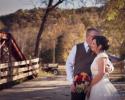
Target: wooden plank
[
  {"x": 31, "y": 66},
  {"x": 3, "y": 81},
  {"x": 19, "y": 70},
  {"x": 26, "y": 62},
  {"x": 119, "y": 83},
  {"x": 2, "y": 66},
  {"x": 20, "y": 63},
  {"x": 23, "y": 75},
  {"x": 52, "y": 65}
]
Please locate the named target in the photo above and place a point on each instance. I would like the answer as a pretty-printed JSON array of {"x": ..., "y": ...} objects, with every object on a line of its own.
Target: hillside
[{"x": 64, "y": 28}]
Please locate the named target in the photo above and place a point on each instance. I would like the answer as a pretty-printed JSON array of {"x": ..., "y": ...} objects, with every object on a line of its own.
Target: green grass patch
[{"x": 45, "y": 74}]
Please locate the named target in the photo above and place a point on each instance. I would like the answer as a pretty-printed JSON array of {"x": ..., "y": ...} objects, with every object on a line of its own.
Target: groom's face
[{"x": 90, "y": 36}]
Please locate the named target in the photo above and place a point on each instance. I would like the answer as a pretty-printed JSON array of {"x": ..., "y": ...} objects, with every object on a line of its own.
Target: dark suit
[
  {"x": 77, "y": 96},
  {"x": 83, "y": 62}
]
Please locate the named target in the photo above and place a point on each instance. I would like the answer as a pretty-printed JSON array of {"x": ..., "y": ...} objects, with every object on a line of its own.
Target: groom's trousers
[{"x": 77, "y": 96}]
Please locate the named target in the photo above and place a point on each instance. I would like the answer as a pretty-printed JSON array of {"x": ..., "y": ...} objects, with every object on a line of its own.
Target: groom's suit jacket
[{"x": 83, "y": 60}]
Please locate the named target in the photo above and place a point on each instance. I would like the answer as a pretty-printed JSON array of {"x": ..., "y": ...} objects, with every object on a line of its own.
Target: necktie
[{"x": 89, "y": 49}]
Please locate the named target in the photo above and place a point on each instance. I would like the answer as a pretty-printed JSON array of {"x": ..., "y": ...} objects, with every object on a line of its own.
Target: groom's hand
[{"x": 72, "y": 88}]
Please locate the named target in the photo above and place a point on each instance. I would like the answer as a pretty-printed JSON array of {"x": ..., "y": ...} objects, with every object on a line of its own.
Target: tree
[
  {"x": 113, "y": 8},
  {"x": 49, "y": 8},
  {"x": 113, "y": 25},
  {"x": 2, "y": 26},
  {"x": 51, "y": 4},
  {"x": 122, "y": 51}
]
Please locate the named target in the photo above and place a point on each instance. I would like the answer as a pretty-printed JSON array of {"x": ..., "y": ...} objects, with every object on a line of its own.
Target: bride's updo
[{"x": 103, "y": 41}]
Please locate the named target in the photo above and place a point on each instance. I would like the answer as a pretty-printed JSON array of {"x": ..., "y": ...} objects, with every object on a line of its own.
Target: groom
[{"x": 79, "y": 60}]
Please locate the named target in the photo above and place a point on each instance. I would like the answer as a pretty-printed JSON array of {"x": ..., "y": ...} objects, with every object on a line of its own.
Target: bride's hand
[{"x": 88, "y": 91}]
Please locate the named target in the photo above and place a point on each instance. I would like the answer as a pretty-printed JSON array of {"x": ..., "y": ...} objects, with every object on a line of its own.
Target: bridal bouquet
[{"x": 81, "y": 82}]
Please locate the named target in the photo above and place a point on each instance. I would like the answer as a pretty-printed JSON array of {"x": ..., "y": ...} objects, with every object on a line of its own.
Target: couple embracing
[{"x": 87, "y": 69}]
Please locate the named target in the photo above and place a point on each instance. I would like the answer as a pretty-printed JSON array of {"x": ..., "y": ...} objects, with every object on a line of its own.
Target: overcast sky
[{"x": 10, "y": 6}]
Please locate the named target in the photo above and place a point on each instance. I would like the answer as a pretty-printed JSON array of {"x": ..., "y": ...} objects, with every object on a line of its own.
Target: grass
[{"x": 45, "y": 74}]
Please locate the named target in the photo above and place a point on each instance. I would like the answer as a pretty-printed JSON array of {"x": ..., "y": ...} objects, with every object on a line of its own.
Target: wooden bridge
[
  {"x": 13, "y": 63},
  {"x": 10, "y": 72}
]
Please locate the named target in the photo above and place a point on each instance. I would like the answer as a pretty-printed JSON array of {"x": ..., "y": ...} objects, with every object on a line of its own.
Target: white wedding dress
[{"x": 104, "y": 89}]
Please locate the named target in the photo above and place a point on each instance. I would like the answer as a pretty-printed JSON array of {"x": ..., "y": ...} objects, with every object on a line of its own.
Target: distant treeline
[{"x": 63, "y": 29}]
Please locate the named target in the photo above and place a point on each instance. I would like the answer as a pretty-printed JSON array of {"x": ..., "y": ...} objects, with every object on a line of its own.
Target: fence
[
  {"x": 119, "y": 71},
  {"x": 17, "y": 70}
]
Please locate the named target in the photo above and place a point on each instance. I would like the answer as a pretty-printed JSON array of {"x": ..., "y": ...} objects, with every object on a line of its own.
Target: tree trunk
[
  {"x": 50, "y": 7},
  {"x": 40, "y": 33},
  {"x": 42, "y": 29}
]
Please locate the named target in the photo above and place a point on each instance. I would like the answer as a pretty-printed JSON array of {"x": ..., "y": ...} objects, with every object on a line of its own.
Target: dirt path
[
  {"x": 56, "y": 88},
  {"x": 47, "y": 88}
]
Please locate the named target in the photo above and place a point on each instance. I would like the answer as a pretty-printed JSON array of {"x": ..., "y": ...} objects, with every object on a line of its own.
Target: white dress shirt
[{"x": 71, "y": 60}]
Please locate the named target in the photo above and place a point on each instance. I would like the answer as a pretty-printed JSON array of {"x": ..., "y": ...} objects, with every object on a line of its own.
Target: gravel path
[
  {"x": 44, "y": 88},
  {"x": 49, "y": 88}
]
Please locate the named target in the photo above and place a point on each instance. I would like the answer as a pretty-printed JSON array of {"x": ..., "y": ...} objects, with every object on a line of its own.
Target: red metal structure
[{"x": 9, "y": 48}]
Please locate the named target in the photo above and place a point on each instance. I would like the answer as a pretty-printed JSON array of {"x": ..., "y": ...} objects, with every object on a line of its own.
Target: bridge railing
[
  {"x": 17, "y": 70},
  {"x": 119, "y": 67},
  {"x": 119, "y": 71}
]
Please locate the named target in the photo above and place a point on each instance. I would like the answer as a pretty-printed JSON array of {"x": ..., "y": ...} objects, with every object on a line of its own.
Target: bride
[{"x": 101, "y": 88}]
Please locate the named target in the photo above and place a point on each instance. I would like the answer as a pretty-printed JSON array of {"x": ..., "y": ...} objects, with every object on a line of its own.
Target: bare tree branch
[
  {"x": 34, "y": 5},
  {"x": 59, "y": 2}
]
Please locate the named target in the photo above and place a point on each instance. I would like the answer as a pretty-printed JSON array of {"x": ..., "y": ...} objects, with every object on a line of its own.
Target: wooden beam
[
  {"x": 30, "y": 67},
  {"x": 20, "y": 63},
  {"x": 19, "y": 70},
  {"x": 20, "y": 76}
]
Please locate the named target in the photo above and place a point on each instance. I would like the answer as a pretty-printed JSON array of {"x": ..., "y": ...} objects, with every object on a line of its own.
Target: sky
[{"x": 10, "y": 6}]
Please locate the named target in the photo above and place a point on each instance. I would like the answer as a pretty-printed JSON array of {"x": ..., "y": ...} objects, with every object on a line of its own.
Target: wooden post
[
  {"x": 54, "y": 45},
  {"x": 10, "y": 69}
]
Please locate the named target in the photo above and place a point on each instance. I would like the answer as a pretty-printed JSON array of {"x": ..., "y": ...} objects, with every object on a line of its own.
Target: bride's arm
[{"x": 101, "y": 70}]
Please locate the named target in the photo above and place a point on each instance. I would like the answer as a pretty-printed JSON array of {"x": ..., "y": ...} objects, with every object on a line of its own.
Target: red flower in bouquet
[{"x": 81, "y": 81}]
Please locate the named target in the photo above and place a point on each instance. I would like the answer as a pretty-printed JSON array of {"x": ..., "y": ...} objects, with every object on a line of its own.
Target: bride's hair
[{"x": 103, "y": 41}]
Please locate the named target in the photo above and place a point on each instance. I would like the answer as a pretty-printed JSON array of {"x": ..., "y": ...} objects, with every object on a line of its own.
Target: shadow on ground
[{"x": 39, "y": 89}]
